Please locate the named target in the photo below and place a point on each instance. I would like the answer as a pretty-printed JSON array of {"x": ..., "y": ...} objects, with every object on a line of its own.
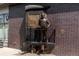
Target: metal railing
[{"x": 37, "y": 35}]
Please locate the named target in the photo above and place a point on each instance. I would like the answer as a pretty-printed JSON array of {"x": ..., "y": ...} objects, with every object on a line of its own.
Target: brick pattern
[
  {"x": 67, "y": 33},
  {"x": 14, "y": 32}
]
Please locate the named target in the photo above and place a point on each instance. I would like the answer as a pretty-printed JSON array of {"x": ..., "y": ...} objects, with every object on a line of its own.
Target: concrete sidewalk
[
  {"x": 5, "y": 51},
  {"x": 8, "y": 51}
]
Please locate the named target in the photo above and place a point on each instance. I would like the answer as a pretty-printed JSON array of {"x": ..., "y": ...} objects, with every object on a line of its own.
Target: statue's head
[{"x": 43, "y": 15}]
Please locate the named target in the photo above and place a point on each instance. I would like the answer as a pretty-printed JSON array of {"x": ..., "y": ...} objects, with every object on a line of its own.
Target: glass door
[{"x": 3, "y": 29}]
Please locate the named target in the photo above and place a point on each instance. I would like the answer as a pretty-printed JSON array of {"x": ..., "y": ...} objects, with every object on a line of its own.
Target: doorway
[
  {"x": 31, "y": 24},
  {"x": 34, "y": 32}
]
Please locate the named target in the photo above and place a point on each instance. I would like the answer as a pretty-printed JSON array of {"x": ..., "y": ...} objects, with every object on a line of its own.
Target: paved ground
[
  {"x": 15, "y": 52},
  {"x": 8, "y": 51}
]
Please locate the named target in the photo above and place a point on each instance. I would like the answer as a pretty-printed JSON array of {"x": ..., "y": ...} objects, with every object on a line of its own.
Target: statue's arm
[{"x": 49, "y": 24}]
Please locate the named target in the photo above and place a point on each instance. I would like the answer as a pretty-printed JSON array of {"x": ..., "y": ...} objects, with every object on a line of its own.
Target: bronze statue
[{"x": 44, "y": 25}]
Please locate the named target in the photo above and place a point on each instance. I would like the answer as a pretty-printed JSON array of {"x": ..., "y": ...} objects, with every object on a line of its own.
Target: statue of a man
[{"x": 44, "y": 24}]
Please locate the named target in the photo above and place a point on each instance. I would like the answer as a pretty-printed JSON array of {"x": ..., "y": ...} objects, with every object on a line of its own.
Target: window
[{"x": 33, "y": 20}]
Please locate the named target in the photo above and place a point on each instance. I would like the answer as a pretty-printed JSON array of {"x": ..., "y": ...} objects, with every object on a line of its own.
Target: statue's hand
[{"x": 48, "y": 26}]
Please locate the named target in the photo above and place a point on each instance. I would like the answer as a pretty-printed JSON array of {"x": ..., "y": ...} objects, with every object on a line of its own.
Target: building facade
[{"x": 64, "y": 19}]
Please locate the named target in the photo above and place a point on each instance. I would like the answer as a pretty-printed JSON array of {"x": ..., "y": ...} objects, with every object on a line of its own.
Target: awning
[{"x": 33, "y": 7}]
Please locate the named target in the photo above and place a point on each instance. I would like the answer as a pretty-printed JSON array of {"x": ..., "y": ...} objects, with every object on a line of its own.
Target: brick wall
[
  {"x": 67, "y": 33},
  {"x": 15, "y": 31},
  {"x": 64, "y": 18}
]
